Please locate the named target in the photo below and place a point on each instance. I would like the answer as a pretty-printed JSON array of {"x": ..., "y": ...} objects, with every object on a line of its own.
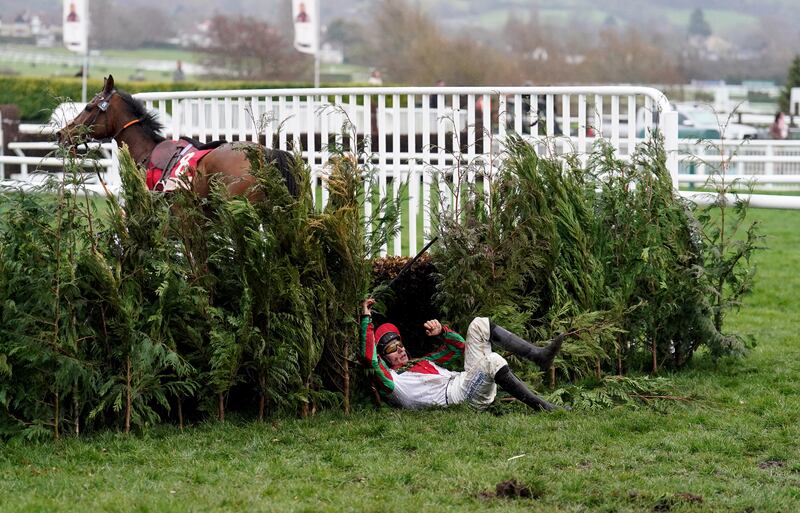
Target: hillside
[
  {"x": 726, "y": 17},
  {"x": 723, "y": 15}
]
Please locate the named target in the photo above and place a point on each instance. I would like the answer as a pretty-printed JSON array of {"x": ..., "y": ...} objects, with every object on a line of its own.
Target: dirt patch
[
  {"x": 667, "y": 503},
  {"x": 512, "y": 489},
  {"x": 663, "y": 504},
  {"x": 689, "y": 498},
  {"x": 772, "y": 464}
]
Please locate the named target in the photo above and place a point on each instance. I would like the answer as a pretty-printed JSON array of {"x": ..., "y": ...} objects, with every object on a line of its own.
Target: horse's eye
[{"x": 88, "y": 108}]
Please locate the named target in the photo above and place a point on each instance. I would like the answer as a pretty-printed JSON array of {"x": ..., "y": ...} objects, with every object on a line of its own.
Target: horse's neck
[{"x": 138, "y": 143}]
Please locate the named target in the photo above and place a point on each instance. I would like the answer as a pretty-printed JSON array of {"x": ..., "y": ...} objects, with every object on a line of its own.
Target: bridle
[{"x": 102, "y": 107}]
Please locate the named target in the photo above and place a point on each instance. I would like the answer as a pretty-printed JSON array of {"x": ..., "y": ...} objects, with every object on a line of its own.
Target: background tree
[
  {"x": 351, "y": 37},
  {"x": 698, "y": 26},
  {"x": 627, "y": 56},
  {"x": 252, "y": 49},
  {"x": 412, "y": 48},
  {"x": 792, "y": 80},
  {"x": 117, "y": 24}
]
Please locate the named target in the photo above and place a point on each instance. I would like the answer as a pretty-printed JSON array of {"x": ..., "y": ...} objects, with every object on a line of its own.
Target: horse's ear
[{"x": 108, "y": 84}]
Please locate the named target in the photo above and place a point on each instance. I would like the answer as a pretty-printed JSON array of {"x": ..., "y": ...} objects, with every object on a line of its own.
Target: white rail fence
[
  {"x": 763, "y": 161},
  {"x": 409, "y": 133}
]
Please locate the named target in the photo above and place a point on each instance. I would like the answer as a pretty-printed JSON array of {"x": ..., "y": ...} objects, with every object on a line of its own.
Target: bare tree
[
  {"x": 627, "y": 56},
  {"x": 410, "y": 46},
  {"x": 251, "y": 49},
  {"x": 116, "y": 24}
]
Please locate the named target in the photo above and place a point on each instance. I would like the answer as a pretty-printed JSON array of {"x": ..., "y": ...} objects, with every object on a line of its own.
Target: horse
[{"x": 115, "y": 114}]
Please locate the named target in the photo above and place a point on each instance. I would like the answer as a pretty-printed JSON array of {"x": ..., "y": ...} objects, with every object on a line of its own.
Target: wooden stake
[
  {"x": 55, "y": 420},
  {"x": 346, "y": 387},
  {"x": 655, "y": 357},
  {"x": 129, "y": 399},
  {"x": 77, "y": 412},
  {"x": 376, "y": 397},
  {"x": 262, "y": 403},
  {"x": 180, "y": 414},
  {"x": 552, "y": 376}
]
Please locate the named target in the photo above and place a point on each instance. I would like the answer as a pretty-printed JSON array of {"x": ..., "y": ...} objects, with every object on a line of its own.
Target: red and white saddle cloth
[{"x": 183, "y": 159}]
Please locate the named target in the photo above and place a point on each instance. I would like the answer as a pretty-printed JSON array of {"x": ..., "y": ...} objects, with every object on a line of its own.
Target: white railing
[
  {"x": 406, "y": 133},
  {"x": 30, "y": 166},
  {"x": 410, "y": 132},
  {"x": 767, "y": 164},
  {"x": 768, "y": 160}
]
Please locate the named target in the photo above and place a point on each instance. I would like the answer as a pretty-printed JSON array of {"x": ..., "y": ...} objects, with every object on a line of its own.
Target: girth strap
[{"x": 167, "y": 171}]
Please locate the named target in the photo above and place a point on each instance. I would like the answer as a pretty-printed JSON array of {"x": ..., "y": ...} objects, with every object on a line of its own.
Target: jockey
[{"x": 433, "y": 380}]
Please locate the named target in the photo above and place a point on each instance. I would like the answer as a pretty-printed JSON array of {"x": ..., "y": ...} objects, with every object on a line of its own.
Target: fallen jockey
[{"x": 436, "y": 379}]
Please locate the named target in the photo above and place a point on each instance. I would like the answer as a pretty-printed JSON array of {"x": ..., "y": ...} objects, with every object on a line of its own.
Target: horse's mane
[{"x": 149, "y": 120}]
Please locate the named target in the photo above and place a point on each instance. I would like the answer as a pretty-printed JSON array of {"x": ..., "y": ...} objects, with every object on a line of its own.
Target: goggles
[
  {"x": 389, "y": 343},
  {"x": 392, "y": 347}
]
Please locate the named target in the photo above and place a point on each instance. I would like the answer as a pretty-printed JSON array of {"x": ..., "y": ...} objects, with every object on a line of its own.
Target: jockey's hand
[
  {"x": 433, "y": 328},
  {"x": 366, "y": 306}
]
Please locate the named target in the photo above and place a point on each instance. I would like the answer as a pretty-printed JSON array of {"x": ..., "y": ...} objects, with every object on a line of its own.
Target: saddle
[{"x": 167, "y": 154}]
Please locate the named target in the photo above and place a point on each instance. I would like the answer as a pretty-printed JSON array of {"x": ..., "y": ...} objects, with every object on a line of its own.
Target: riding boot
[
  {"x": 542, "y": 356},
  {"x": 506, "y": 380}
]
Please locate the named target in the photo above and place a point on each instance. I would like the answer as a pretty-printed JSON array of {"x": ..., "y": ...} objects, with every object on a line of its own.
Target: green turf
[
  {"x": 127, "y": 64},
  {"x": 732, "y": 448}
]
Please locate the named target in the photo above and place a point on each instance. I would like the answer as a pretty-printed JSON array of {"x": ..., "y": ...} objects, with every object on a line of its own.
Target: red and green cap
[{"x": 386, "y": 333}]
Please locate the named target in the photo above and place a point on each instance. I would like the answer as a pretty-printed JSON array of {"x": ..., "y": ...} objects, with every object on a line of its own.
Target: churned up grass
[{"x": 727, "y": 443}]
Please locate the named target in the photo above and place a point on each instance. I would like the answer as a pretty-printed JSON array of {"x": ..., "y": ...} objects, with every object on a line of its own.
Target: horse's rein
[{"x": 126, "y": 125}]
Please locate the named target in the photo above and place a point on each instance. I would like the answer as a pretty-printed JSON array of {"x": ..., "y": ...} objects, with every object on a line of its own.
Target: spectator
[
  {"x": 434, "y": 101},
  {"x": 178, "y": 75},
  {"x": 779, "y": 129},
  {"x": 375, "y": 78}
]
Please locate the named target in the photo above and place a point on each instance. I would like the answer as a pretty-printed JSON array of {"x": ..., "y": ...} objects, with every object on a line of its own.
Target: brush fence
[{"x": 429, "y": 138}]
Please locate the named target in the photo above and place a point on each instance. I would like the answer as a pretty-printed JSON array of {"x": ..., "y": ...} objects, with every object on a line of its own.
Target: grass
[
  {"x": 723, "y": 21},
  {"x": 731, "y": 448},
  {"x": 126, "y": 63}
]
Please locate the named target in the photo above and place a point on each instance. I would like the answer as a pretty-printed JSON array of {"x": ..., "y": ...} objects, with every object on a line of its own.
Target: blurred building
[{"x": 28, "y": 28}]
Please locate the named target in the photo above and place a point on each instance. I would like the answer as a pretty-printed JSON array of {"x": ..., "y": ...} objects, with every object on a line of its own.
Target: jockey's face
[{"x": 398, "y": 358}]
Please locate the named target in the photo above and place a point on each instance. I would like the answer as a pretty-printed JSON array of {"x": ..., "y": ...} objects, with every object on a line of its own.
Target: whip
[{"x": 411, "y": 262}]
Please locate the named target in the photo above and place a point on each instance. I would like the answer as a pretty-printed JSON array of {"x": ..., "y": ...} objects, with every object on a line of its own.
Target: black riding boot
[
  {"x": 542, "y": 356},
  {"x": 506, "y": 380}
]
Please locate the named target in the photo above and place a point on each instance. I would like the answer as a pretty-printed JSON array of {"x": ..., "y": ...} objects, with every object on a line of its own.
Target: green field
[
  {"x": 730, "y": 447},
  {"x": 127, "y": 65},
  {"x": 726, "y": 21},
  {"x": 722, "y": 21},
  {"x": 59, "y": 62}
]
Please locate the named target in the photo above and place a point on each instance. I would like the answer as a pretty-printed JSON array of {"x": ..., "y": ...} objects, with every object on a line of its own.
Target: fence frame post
[
  {"x": 2, "y": 150},
  {"x": 669, "y": 127}
]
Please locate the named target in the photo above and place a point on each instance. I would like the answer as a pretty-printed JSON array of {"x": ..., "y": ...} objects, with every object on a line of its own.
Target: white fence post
[
  {"x": 669, "y": 127},
  {"x": 2, "y": 150},
  {"x": 113, "y": 178},
  {"x": 769, "y": 165}
]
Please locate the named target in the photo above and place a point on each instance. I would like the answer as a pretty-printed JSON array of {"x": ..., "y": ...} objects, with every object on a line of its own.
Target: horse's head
[{"x": 100, "y": 119}]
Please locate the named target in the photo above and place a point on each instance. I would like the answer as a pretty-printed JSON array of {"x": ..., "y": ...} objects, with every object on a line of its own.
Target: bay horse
[{"x": 115, "y": 114}]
